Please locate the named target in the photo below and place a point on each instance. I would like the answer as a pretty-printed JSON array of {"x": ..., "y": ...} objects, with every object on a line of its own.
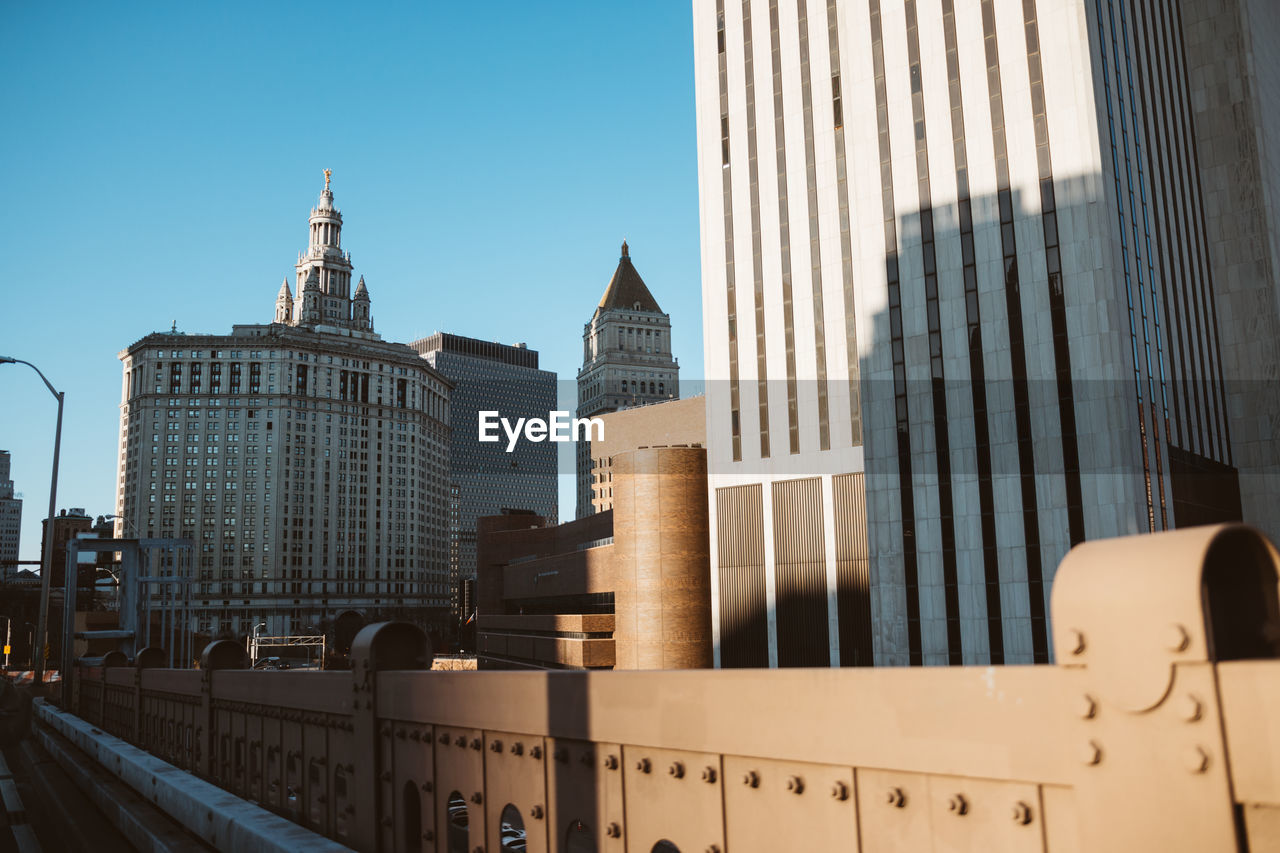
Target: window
[{"x": 837, "y": 106}]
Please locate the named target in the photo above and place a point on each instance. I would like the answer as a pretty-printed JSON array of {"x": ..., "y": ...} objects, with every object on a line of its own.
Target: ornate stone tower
[
  {"x": 626, "y": 359},
  {"x": 360, "y": 317},
  {"x": 331, "y": 302},
  {"x": 284, "y": 304}
]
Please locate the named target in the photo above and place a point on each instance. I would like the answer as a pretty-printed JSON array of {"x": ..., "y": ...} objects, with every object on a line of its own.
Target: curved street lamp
[{"x": 46, "y": 560}]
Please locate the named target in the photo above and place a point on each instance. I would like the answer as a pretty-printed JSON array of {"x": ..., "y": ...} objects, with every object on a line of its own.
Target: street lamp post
[
  {"x": 46, "y": 561},
  {"x": 115, "y": 575},
  {"x": 127, "y": 523},
  {"x": 253, "y": 643}
]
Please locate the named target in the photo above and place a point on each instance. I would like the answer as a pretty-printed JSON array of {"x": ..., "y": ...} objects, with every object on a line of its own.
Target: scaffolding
[
  {"x": 154, "y": 597},
  {"x": 254, "y": 644}
]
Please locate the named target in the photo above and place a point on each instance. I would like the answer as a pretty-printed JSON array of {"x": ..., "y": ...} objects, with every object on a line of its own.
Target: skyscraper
[
  {"x": 484, "y": 478},
  {"x": 626, "y": 359},
  {"x": 1014, "y": 262},
  {"x": 307, "y": 458},
  {"x": 10, "y": 520}
]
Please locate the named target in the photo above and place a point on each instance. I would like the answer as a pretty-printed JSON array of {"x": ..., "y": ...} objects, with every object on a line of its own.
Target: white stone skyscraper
[
  {"x": 306, "y": 458},
  {"x": 1014, "y": 262},
  {"x": 626, "y": 360}
]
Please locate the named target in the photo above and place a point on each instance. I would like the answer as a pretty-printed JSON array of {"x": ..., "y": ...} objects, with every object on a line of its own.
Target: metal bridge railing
[{"x": 1157, "y": 729}]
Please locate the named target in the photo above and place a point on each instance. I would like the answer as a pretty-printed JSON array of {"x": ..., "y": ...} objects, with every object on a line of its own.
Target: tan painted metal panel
[
  {"x": 782, "y": 805},
  {"x": 667, "y": 799},
  {"x": 585, "y": 785},
  {"x": 1061, "y": 820},
  {"x": 513, "y": 776},
  {"x": 985, "y": 816},
  {"x": 1250, "y": 693},
  {"x": 460, "y": 768},
  {"x": 894, "y": 812}
]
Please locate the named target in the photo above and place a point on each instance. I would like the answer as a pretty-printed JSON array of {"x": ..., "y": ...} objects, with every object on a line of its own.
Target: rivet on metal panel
[
  {"x": 460, "y": 741},
  {"x": 478, "y": 850},
  {"x": 477, "y": 798},
  {"x": 495, "y": 746},
  {"x": 1189, "y": 708},
  {"x": 643, "y": 765},
  {"x": 475, "y": 744},
  {"x": 415, "y": 735},
  {"x": 1075, "y": 642},
  {"x": 536, "y": 812},
  {"x": 1086, "y": 707},
  {"x": 840, "y": 791},
  {"x": 1197, "y": 760},
  {"x": 613, "y": 831},
  {"x": 517, "y": 748},
  {"x": 401, "y": 734},
  {"x": 1091, "y": 753},
  {"x": 958, "y": 804},
  {"x": 751, "y": 779},
  {"x": 795, "y": 784},
  {"x": 562, "y": 755},
  {"x": 1021, "y": 813},
  {"x": 444, "y": 739},
  {"x": 611, "y": 762},
  {"x": 428, "y": 836},
  {"x": 895, "y": 797},
  {"x": 587, "y": 760},
  {"x": 427, "y": 786},
  {"x": 535, "y": 752},
  {"x": 386, "y": 775},
  {"x": 713, "y": 848},
  {"x": 708, "y": 774},
  {"x": 676, "y": 770},
  {"x": 1177, "y": 638}
]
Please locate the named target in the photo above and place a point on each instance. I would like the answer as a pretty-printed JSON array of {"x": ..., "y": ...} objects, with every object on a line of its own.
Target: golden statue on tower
[{"x": 327, "y": 173}]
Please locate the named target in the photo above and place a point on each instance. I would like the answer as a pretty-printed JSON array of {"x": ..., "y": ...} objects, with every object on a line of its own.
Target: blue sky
[{"x": 159, "y": 161}]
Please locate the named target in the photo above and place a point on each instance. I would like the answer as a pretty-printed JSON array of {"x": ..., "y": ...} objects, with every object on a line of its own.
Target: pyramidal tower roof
[{"x": 626, "y": 290}]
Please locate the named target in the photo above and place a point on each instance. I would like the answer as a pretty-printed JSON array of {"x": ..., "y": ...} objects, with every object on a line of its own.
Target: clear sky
[{"x": 159, "y": 162}]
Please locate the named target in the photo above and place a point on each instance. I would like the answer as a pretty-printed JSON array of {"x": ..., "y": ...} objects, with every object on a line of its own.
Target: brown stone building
[
  {"x": 627, "y": 588},
  {"x": 67, "y": 524}
]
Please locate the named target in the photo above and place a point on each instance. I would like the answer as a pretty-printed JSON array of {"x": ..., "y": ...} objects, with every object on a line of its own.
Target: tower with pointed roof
[
  {"x": 626, "y": 359},
  {"x": 323, "y": 277},
  {"x": 284, "y": 304}
]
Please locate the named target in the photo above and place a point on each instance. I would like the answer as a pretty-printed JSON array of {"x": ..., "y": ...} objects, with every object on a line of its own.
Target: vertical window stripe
[
  {"x": 1120, "y": 155},
  {"x": 910, "y": 568},
  {"x": 937, "y": 374},
  {"x": 1017, "y": 340},
  {"x": 973, "y": 324},
  {"x": 731, "y": 294},
  {"x": 815, "y": 241},
  {"x": 1057, "y": 304},
  {"x": 784, "y": 230},
  {"x": 1169, "y": 249},
  {"x": 757, "y": 261},
  {"x": 1206, "y": 269},
  {"x": 846, "y": 240}
]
